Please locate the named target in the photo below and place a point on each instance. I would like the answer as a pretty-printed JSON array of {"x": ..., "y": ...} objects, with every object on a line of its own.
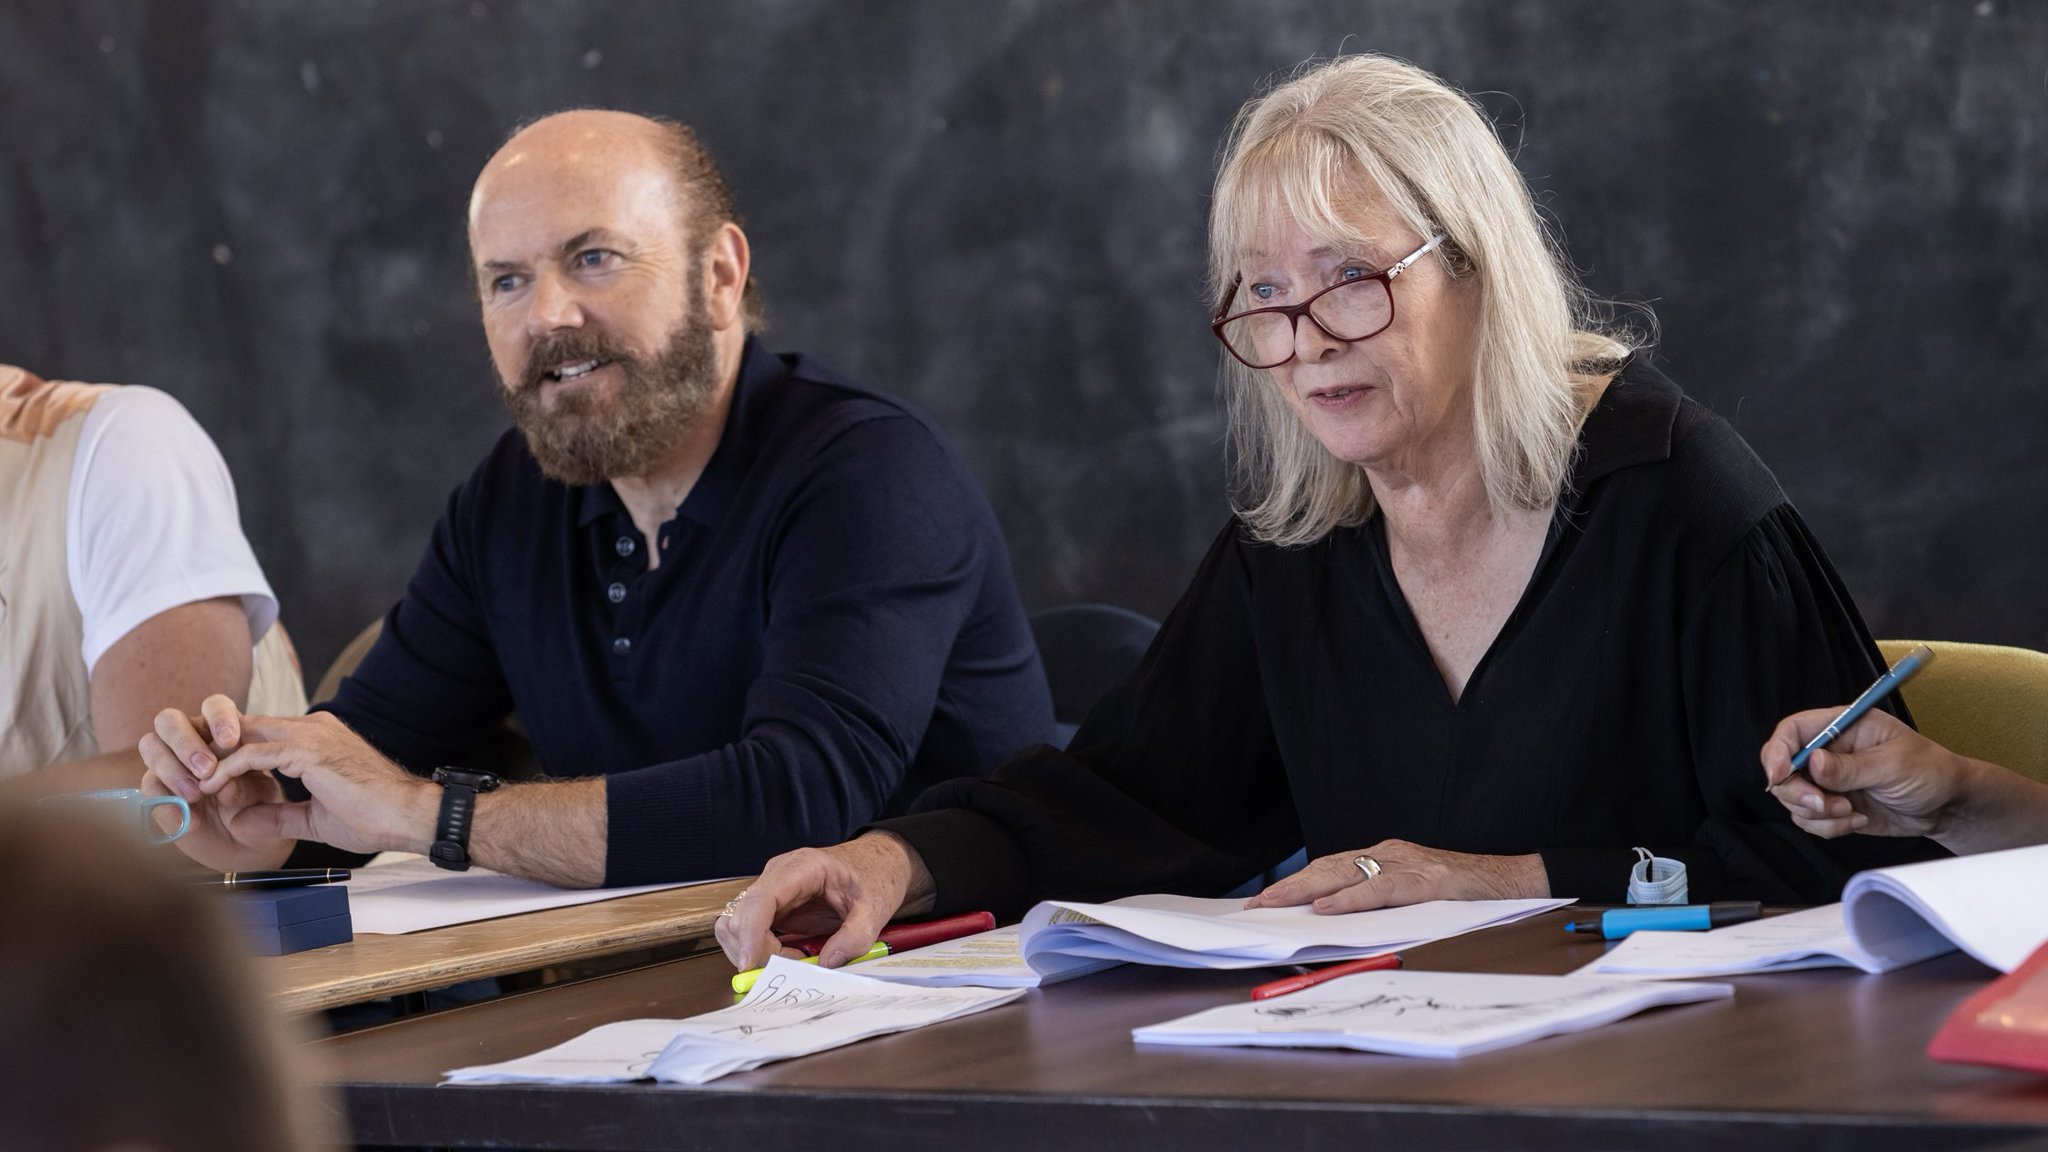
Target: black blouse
[{"x": 1679, "y": 609}]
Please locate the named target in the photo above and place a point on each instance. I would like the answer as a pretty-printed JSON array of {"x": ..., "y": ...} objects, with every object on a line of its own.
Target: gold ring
[
  {"x": 732, "y": 905},
  {"x": 1367, "y": 865}
]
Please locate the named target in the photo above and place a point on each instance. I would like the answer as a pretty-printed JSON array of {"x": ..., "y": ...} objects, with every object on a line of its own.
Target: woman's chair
[
  {"x": 1087, "y": 650},
  {"x": 1982, "y": 700}
]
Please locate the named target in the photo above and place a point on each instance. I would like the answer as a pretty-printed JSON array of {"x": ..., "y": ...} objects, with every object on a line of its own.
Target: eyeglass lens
[{"x": 1351, "y": 311}]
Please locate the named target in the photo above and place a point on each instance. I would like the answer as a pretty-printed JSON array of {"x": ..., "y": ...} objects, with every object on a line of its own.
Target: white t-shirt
[{"x": 151, "y": 523}]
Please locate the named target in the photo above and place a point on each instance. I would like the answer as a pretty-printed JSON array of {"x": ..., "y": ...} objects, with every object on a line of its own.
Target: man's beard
[{"x": 586, "y": 437}]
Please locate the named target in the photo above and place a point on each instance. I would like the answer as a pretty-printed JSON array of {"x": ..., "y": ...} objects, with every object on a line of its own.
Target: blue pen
[
  {"x": 1920, "y": 657},
  {"x": 1619, "y": 922}
]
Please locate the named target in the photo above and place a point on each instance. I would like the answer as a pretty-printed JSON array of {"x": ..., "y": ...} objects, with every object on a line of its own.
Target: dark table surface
[{"x": 1827, "y": 1058}]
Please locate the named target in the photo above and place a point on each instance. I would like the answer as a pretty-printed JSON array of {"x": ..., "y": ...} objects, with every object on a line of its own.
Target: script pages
[
  {"x": 1187, "y": 932},
  {"x": 1434, "y": 1014},
  {"x": 795, "y": 1009},
  {"x": 1993, "y": 905}
]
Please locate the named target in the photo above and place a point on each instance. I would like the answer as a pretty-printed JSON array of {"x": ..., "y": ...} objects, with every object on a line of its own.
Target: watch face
[{"x": 481, "y": 781}]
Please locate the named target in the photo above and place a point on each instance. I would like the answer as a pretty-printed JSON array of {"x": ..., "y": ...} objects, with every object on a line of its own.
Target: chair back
[
  {"x": 1087, "y": 650},
  {"x": 1982, "y": 700},
  {"x": 347, "y": 661},
  {"x": 502, "y": 748}
]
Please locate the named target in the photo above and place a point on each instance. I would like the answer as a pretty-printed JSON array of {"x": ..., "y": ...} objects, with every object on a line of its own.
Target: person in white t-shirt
[{"x": 125, "y": 582}]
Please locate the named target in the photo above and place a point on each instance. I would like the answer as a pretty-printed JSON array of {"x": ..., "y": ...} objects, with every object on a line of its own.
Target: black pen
[{"x": 278, "y": 878}]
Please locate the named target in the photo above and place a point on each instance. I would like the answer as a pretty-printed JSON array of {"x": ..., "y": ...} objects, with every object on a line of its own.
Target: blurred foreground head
[{"x": 128, "y": 1018}]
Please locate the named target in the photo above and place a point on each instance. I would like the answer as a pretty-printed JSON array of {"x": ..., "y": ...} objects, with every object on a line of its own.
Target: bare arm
[
  {"x": 551, "y": 831},
  {"x": 178, "y": 657},
  {"x": 554, "y": 832},
  {"x": 1881, "y": 778}
]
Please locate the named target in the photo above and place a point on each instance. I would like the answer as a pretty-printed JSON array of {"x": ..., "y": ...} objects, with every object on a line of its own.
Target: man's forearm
[{"x": 554, "y": 832}]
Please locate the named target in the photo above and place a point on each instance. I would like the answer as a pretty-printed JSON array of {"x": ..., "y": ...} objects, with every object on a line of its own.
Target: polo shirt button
[
  {"x": 615, "y": 593},
  {"x": 624, "y": 546},
  {"x": 621, "y": 646}
]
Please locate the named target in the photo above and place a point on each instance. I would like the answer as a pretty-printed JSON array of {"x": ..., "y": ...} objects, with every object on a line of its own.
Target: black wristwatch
[{"x": 459, "y": 789}]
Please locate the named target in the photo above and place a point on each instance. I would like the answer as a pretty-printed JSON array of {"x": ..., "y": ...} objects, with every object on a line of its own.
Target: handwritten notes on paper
[
  {"x": 1435, "y": 1014},
  {"x": 794, "y": 1010}
]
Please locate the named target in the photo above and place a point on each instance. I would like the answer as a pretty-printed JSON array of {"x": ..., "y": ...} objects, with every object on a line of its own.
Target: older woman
[{"x": 1499, "y": 605}]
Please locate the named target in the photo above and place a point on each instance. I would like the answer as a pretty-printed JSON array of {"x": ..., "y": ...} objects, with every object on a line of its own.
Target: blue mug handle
[{"x": 149, "y": 826}]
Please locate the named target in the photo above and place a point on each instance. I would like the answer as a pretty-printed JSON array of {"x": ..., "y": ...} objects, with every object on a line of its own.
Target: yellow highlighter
[{"x": 742, "y": 982}]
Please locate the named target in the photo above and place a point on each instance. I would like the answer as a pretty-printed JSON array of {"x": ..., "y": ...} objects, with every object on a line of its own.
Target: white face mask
[{"x": 1656, "y": 880}]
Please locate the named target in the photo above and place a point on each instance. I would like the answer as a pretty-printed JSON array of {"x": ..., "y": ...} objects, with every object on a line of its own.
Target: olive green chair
[{"x": 1982, "y": 700}]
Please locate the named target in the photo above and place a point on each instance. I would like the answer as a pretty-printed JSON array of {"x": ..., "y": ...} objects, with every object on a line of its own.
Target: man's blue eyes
[{"x": 587, "y": 259}]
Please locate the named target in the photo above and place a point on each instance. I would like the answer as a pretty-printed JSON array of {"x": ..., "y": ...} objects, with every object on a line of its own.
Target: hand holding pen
[
  {"x": 1863, "y": 771},
  {"x": 1893, "y": 679}
]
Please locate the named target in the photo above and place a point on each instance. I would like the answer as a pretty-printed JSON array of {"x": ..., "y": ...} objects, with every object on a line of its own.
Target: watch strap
[{"x": 451, "y": 830}]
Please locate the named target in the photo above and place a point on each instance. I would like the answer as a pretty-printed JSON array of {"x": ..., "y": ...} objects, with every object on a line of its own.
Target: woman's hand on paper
[
  {"x": 1406, "y": 874},
  {"x": 850, "y": 890}
]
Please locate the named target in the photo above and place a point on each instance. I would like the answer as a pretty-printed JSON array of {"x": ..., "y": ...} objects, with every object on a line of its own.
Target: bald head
[
  {"x": 649, "y": 156},
  {"x": 572, "y": 153}
]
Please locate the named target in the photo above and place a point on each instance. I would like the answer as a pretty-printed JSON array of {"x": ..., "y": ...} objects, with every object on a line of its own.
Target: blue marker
[
  {"x": 1619, "y": 922},
  {"x": 1920, "y": 657}
]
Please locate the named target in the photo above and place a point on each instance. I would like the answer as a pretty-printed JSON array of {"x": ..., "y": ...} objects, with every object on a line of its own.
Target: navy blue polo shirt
[{"x": 834, "y": 627}]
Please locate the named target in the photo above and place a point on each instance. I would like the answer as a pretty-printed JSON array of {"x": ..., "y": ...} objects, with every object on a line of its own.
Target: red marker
[
  {"x": 1311, "y": 979},
  {"x": 904, "y": 937}
]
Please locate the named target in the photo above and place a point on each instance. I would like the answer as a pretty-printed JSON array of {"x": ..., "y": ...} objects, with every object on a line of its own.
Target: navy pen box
[{"x": 281, "y": 920}]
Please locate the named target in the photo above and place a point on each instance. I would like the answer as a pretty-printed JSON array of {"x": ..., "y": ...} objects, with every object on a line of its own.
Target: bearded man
[{"x": 739, "y": 603}]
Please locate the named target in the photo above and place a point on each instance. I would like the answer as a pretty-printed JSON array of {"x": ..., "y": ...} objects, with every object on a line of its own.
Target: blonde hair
[{"x": 1543, "y": 347}]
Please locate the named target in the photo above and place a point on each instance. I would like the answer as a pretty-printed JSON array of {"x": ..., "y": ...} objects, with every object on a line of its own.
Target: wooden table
[
  {"x": 372, "y": 967},
  {"x": 1819, "y": 1059}
]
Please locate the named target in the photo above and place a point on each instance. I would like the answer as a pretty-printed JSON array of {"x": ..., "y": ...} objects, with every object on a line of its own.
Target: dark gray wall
[{"x": 1839, "y": 209}]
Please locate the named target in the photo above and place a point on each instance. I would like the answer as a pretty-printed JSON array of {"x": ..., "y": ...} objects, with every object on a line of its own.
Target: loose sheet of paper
[
  {"x": 794, "y": 1009},
  {"x": 1811, "y": 938},
  {"x": 1187, "y": 932},
  {"x": 609, "y": 1054},
  {"x": 409, "y": 894},
  {"x": 993, "y": 959},
  {"x": 1435, "y": 1014}
]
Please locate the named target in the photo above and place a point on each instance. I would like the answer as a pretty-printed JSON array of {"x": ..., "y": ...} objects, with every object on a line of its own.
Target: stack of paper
[
  {"x": 1993, "y": 905},
  {"x": 795, "y": 1009},
  {"x": 1439, "y": 1014},
  {"x": 400, "y": 893},
  {"x": 1888, "y": 918},
  {"x": 1186, "y": 932}
]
